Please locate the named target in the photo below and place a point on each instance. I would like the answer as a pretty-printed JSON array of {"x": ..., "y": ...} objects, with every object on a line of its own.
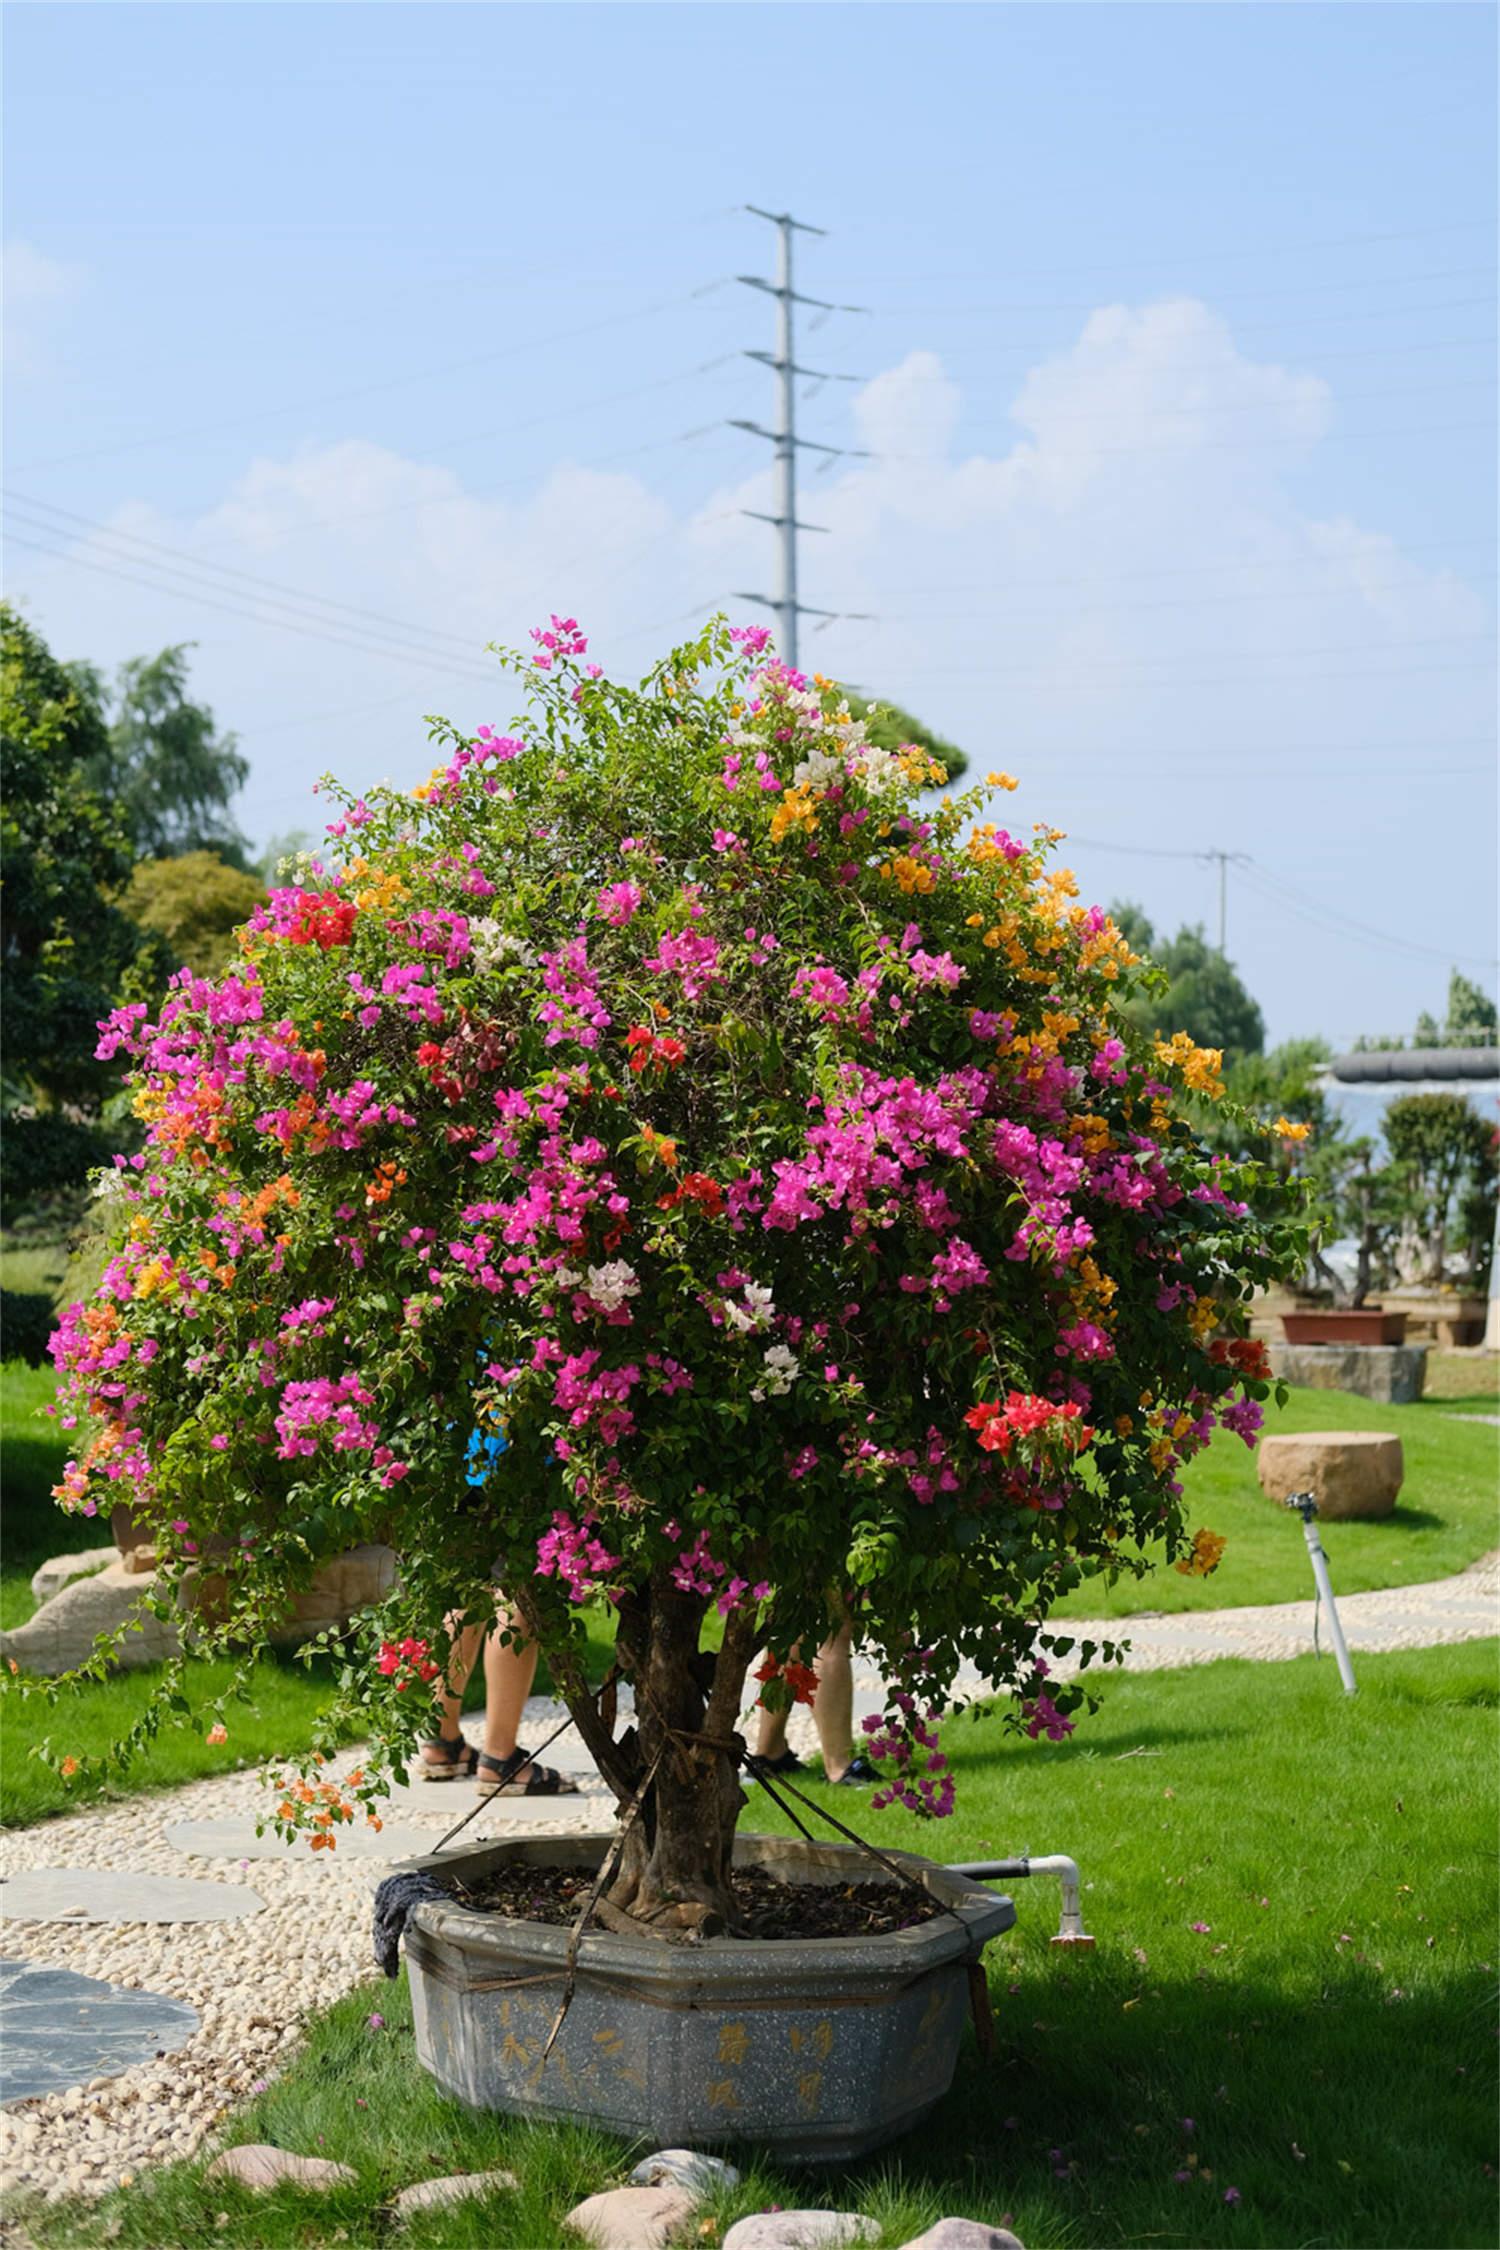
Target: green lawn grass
[
  {"x": 1330, "y": 2034},
  {"x": 278, "y": 1719},
  {"x": 1447, "y": 1516},
  {"x": 32, "y": 1453},
  {"x": 285, "y": 1697}
]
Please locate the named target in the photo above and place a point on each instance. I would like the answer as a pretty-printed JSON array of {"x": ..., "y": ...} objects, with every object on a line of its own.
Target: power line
[
  {"x": 1348, "y": 587},
  {"x": 1339, "y": 924},
  {"x": 1250, "y": 406},
  {"x": 1193, "y": 570},
  {"x": 189, "y": 565},
  {"x": 1042, "y": 451},
  {"x": 387, "y": 383},
  {"x": 1026, "y": 352},
  {"x": 979, "y": 308},
  {"x": 365, "y": 646},
  {"x": 1283, "y": 894},
  {"x": 1261, "y": 250}
]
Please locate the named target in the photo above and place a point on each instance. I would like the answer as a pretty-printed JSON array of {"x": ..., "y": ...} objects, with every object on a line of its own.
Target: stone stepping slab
[
  {"x": 94, "y": 1894},
  {"x": 234, "y": 1838},
  {"x": 59, "y": 2029}
]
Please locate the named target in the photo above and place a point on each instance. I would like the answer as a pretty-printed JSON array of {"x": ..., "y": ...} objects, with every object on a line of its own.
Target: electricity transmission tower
[{"x": 783, "y": 364}]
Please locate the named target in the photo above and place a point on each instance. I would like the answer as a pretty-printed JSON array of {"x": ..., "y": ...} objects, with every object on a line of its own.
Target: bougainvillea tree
[{"x": 676, "y": 1081}]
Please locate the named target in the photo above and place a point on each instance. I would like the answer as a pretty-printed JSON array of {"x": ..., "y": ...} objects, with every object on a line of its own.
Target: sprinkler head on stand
[{"x": 1303, "y": 1504}]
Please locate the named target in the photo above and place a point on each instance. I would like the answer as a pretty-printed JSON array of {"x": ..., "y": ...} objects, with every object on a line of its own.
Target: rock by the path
[
  {"x": 964, "y": 2234},
  {"x": 427, "y": 2195},
  {"x": 51, "y": 1577},
  {"x": 633, "y": 2218},
  {"x": 686, "y": 2168},
  {"x": 1349, "y": 1472},
  {"x": 800, "y": 2230},
  {"x": 94, "y": 1894},
  {"x": 112, "y": 1601},
  {"x": 256, "y": 2164}
]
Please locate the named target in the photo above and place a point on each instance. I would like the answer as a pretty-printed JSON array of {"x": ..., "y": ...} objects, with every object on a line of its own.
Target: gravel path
[{"x": 255, "y": 1981}]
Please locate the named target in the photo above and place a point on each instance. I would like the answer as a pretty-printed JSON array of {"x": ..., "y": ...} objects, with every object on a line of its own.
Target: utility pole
[
  {"x": 783, "y": 364},
  {"x": 1226, "y": 860}
]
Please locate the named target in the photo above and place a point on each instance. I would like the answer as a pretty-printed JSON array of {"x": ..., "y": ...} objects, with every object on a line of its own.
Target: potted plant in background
[{"x": 666, "y": 1079}]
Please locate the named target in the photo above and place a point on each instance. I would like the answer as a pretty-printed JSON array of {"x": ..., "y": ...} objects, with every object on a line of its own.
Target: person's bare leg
[
  {"x": 509, "y": 1669},
  {"x": 833, "y": 1708},
  {"x": 833, "y": 1705},
  {"x": 770, "y": 1740},
  {"x": 450, "y": 1696}
]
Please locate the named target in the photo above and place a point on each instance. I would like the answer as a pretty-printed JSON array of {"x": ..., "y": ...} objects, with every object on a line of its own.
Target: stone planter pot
[
  {"x": 824, "y": 2046},
  {"x": 1369, "y": 1324}
]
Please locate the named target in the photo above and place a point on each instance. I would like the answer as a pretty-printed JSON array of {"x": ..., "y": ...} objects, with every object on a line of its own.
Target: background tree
[
  {"x": 64, "y": 941},
  {"x": 1203, "y": 994},
  {"x": 1360, "y": 1200},
  {"x": 891, "y": 728},
  {"x": 192, "y": 906},
  {"x": 1287, "y": 1083},
  {"x": 164, "y": 762},
  {"x": 1444, "y": 1152},
  {"x": 1471, "y": 1015},
  {"x": 66, "y": 851}
]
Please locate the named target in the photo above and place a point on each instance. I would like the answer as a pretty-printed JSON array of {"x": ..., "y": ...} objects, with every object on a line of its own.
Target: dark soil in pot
[{"x": 767, "y": 1907}]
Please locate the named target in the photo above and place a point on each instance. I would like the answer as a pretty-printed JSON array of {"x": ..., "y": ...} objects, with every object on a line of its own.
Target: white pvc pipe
[
  {"x": 1070, "y": 1930},
  {"x": 1325, "y": 1588}
]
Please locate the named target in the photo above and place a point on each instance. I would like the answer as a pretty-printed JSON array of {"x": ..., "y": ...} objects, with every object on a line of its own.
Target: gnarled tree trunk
[{"x": 680, "y": 1757}]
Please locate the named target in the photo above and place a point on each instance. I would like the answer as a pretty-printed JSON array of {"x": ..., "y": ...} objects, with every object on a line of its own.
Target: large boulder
[
  {"x": 63, "y": 1632},
  {"x": 52, "y": 1576},
  {"x": 1348, "y": 1472}
]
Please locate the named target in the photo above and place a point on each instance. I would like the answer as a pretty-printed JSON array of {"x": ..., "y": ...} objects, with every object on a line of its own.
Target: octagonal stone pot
[{"x": 824, "y": 2046}]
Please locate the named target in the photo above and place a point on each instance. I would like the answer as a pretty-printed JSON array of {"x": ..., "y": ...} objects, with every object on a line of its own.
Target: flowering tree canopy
[{"x": 664, "y": 1084}]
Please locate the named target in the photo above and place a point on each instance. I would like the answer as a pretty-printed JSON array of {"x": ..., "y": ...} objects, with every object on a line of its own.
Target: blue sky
[{"x": 343, "y": 339}]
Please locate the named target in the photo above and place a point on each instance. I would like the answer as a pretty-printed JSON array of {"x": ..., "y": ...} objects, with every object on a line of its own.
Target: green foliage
[
  {"x": 65, "y": 852},
  {"x": 1360, "y": 1199},
  {"x": 164, "y": 762},
  {"x": 1203, "y": 994},
  {"x": 768, "y": 1158},
  {"x": 26, "y": 1321},
  {"x": 891, "y": 728},
  {"x": 44, "y": 1154},
  {"x": 288, "y": 845},
  {"x": 1444, "y": 1155},
  {"x": 1471, "y": 1015},
  {"x": 1331, "y": 1845},
  {"x": 193, "y": 903}
]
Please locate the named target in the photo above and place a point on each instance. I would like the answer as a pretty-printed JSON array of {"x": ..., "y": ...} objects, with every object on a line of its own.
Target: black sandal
[
  {"x": 543, "y": 1781},
  {"x": 459, "y": 1761},
  {"x": 787, "y": 1762}
]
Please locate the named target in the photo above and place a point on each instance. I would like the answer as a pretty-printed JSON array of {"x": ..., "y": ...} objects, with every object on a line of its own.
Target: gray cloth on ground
[{"x": 397, "y": 1896}]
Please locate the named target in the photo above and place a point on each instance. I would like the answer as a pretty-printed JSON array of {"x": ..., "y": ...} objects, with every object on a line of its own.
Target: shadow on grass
[{"x": 1114, "y": 2110}]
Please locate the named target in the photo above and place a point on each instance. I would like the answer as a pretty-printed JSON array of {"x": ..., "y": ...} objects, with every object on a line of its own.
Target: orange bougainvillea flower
[
  {"x": 217, "y": 1733},
  {"x": 68, "y": 1768}
]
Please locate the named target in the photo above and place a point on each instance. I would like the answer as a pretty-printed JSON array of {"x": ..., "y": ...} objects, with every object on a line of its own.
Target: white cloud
[
  {"x": 1127, "y": 604},
  {"x": 36, "y": 288}
]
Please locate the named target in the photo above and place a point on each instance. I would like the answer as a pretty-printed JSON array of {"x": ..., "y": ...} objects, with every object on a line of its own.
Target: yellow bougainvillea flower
[
  {"x": 1290, "y": 1131},
  {"x": 1208, "y": 1546}
]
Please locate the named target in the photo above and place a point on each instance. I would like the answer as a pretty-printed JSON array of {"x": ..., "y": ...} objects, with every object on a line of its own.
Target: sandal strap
[{"x": 505, "y": 1767}]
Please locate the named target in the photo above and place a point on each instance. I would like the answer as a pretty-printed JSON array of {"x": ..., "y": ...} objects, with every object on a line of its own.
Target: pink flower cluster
[{"x": 571, "y": 1553}]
